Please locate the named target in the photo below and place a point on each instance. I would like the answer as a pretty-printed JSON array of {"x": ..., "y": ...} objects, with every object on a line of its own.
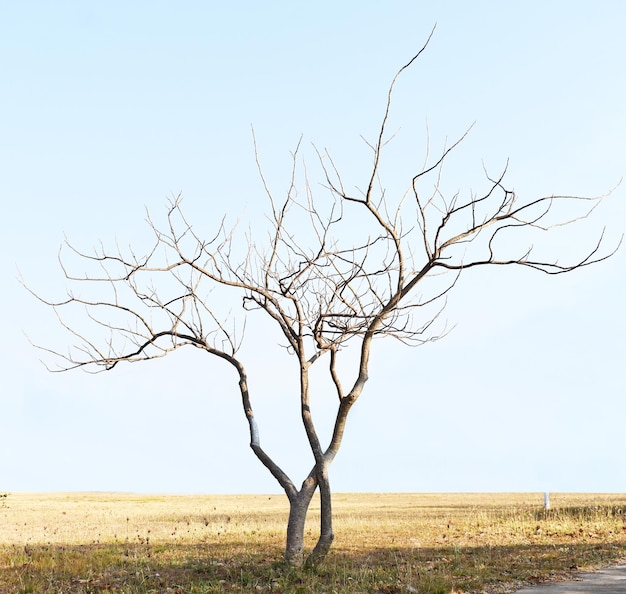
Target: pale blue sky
[{"x": 111, "y": 107}]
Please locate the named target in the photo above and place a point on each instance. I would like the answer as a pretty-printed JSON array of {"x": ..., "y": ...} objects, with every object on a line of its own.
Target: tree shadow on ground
[{"x": 248, "y": 567}]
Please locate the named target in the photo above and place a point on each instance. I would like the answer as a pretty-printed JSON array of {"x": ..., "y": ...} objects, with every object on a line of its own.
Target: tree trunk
[
  {"x": 298, "y": 508},
  {"x": 294, "y": 550},
  {"x": 326, "y": 520},
  {"x": 299, "y": 502}
]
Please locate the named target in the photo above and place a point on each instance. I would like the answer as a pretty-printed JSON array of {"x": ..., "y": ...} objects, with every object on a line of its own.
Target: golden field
[{"x": 385, "y": 543}]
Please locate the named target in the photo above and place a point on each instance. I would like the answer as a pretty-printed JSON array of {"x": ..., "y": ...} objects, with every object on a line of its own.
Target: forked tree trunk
[{"x": 298, "y": 509}]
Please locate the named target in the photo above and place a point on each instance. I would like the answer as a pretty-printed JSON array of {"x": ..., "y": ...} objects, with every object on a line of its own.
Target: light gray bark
[{"x": 298, "y": 509}]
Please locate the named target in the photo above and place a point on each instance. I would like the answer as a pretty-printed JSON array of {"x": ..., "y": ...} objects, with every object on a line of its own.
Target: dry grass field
[{"x": 385, "y": 543}]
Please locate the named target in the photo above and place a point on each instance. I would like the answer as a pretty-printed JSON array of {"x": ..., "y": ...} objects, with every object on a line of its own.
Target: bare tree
[{"x": 335, "y": 270}]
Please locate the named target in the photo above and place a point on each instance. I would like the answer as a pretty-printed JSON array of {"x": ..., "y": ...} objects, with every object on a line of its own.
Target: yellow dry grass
[{"x": 101, "y": 542}]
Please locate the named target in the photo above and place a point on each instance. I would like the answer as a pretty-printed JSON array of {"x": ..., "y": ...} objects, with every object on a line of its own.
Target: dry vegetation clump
[{"x": 386, "y": 543}]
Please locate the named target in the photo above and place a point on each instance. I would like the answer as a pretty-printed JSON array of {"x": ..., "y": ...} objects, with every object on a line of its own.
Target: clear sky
[{"x": 108, "y": 108}]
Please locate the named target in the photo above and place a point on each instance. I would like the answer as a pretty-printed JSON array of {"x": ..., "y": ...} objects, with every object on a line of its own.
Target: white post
[{"x": 546, "y": 501}]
